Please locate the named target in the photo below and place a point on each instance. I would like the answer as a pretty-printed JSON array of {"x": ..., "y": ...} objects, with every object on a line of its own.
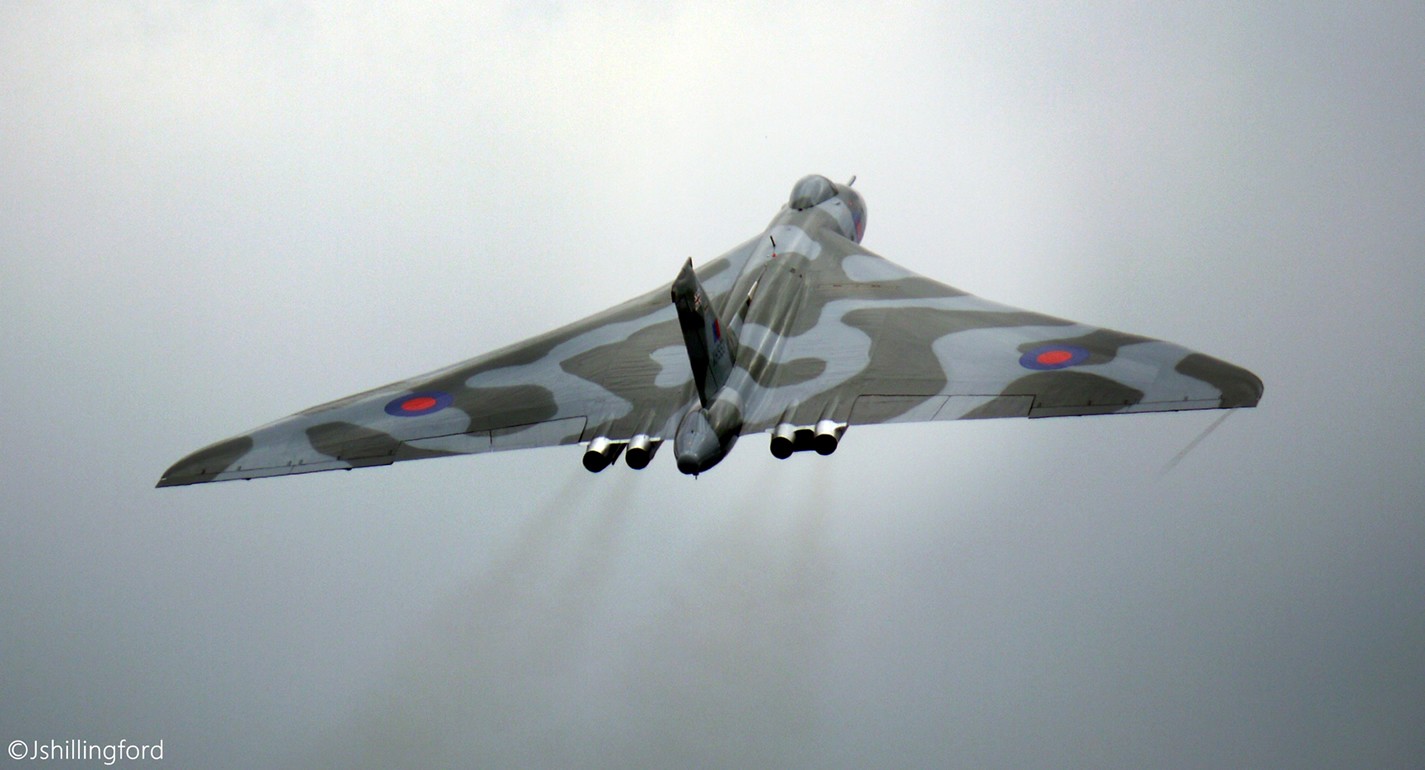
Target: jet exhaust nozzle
[
  {"x": 602, "y": 453},
  {"x": 789, "y": 438},
  {"x": 828, "y": 435},
  {"x": 784, "y": 440},
  {"x": 641, "y": 449}
]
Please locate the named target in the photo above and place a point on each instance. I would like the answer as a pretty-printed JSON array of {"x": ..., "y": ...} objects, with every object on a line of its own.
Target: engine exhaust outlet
[
  {"x": 784, "y": 440},
  {"x": 828, "y": 435},
  {"x": 601, "y": 454},
  {"x": 641, "y": 449}
]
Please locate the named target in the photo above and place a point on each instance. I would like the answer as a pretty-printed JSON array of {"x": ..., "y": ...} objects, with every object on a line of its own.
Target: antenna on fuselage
[{"x": 853, "y": 180}]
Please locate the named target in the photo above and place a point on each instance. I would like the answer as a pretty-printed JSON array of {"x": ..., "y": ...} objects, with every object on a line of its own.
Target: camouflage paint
[{"x": 824, "y": 329}]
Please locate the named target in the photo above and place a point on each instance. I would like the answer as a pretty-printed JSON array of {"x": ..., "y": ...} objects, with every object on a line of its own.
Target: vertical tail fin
[{"x": 710, "y": 343}]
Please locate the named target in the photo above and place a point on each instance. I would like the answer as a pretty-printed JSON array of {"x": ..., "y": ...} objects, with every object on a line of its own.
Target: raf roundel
[
  {"x": 417, "y": 404},
  {"x": 1050, "y": 357}
]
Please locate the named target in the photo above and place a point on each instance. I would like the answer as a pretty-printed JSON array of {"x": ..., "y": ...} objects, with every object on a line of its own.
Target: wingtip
[
  {"x": 168, "y": 480},
  {"x": 1246, "y": 392},
  {"x": 1239, "y": 387},
  {"x": 206, "y": 463}
]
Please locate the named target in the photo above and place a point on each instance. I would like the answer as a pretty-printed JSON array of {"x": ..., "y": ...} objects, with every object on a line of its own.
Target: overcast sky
[{"x": 213, "y": 215}]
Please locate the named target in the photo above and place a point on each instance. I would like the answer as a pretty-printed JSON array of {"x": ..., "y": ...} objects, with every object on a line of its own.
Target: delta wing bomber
[{"x": 798, "y": 333}]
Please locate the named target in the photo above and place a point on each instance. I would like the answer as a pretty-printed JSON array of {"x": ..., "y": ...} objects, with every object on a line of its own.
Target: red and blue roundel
[
  {"x": 417, "y": 404},
  {"x": 1050, "y": 357}
]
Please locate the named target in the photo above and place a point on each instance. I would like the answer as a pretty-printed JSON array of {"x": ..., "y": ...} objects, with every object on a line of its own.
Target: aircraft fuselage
[{"x": 759, "y": 311}]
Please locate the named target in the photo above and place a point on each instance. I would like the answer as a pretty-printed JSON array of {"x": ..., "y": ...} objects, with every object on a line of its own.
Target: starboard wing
[{"x": 873, "y": 342}]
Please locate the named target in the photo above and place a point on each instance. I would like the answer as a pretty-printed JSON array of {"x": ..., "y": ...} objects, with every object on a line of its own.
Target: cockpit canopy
[
  {"x": 848, "y": 210},
  {"x": 810, "y": 191}
]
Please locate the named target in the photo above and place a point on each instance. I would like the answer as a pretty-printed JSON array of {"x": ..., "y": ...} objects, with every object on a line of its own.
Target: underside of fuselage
[{"x": 765, "y": 299}]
